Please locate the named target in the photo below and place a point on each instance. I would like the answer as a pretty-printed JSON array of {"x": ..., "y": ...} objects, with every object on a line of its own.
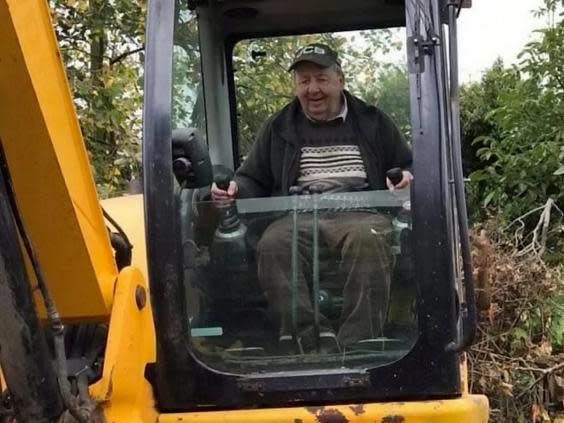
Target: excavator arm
[
  {"x": 49, "y": 167},
  {"x": 47, "y": 185}
]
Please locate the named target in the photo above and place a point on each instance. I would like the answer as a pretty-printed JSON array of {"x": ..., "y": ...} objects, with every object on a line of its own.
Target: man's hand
[
  {"x": 219, "y": 195},
  {"x": 405, "y": 180}
]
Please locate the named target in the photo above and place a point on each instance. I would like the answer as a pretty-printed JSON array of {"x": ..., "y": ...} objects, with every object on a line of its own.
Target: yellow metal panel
[
  {"x": 127, "y": 211},
  {"x": 126, "y": 397},
  {"x": 464, "y": 374},
  {"x": 468, "y": 409},
  {"x": 123, "y": 392},
  {"x": 48, "y": 164}
]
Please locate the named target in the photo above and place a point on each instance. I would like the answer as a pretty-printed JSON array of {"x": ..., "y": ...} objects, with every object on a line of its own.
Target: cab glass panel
[{"x": 319, "y": 274}]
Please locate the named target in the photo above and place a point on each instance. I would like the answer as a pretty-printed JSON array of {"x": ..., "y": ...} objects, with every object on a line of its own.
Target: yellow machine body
[
  {"x": 56, "y": 197},
  {"x": 464, "y": 410}
]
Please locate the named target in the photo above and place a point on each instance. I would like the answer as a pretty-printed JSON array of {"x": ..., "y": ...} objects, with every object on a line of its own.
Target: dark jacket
[{"x": 272, "y": 165}]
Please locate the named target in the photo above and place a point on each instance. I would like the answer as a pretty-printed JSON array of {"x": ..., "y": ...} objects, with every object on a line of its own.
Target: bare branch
[{"x": 126, "y": 54}]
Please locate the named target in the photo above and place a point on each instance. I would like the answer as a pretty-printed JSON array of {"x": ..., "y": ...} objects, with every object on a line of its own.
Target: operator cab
[{"x": 215, "y": 72}]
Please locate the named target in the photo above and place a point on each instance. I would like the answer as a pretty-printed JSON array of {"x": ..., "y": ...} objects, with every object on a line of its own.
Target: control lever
[
  {"x": 395, "y": 175},
  {"x": 229, "y": 217},
  {"x": 229, "y": 246},
  {"x": 223, "y": 181}
]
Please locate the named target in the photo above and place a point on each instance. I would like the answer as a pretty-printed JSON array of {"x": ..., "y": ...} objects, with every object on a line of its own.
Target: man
[{"x": 329, "y": 139}]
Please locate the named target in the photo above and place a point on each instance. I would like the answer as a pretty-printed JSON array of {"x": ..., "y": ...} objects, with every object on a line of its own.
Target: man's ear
[{"x": 341, "y": 79}]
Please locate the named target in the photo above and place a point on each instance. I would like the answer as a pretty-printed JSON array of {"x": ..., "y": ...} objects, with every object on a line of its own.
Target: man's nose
[{"x": 313, "y": 87}]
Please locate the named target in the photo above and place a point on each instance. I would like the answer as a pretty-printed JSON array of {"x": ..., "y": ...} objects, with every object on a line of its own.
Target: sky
[{"x": 492, "y": 29}]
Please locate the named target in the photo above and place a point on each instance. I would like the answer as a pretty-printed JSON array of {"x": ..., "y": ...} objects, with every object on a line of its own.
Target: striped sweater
[{"x": 330, "y": 157}]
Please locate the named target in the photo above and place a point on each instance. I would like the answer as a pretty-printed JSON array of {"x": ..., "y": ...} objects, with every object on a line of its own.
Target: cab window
[{"x": 276, "y": 284}]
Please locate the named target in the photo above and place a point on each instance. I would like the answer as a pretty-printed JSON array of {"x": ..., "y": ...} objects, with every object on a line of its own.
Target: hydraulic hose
[{"x": 80, "y": 412}]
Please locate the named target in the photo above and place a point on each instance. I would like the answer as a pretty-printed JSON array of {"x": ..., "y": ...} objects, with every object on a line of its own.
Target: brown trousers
[{"x": 358, "y": 245}]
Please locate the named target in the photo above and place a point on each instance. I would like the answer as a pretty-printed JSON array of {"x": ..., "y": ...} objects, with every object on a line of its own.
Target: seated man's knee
[
  {"x": 274, "y": 238},
  {"x": 368, "y": 235}
]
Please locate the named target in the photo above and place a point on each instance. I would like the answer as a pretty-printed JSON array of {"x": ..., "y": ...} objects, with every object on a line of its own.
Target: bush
[
  {"x": 513, "y": 124},
  {"x": 518, "y": 357}
]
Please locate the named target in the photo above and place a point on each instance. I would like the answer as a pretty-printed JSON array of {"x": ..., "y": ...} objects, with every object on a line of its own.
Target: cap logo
[
  {"x": 320, "y": 54},
  {"x": 312, "y": 49}
]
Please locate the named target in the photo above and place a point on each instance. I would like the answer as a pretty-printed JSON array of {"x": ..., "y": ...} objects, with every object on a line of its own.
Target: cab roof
[{"x": 243, "y": 18}]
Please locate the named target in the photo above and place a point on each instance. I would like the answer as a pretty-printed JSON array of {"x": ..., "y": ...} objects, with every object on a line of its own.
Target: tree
[
  {"x": 477, "y": 100},
  {"x": 101, "y": 43},
  {"x": 376, "y": 76},
  {"x": 102, "y": 46},
  {"x": 524, "y": 155},
  {"x": 391, "y": 94},
  {"x": 187, "y": 89}
]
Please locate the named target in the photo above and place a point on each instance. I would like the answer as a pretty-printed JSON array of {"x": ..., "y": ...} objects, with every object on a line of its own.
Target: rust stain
[
  {"x": 298, "y": 421},
  {"x": 329, "y": 415},
  {"x": 393, "y": 419},
  {"x": 357, "y": 409},
  {"x": 315, "y": 410}
]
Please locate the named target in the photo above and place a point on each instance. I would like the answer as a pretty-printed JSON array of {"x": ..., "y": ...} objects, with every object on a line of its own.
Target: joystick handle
[
  {"x": 222, "y": 182},
  {"x": 395, "y": 175}
]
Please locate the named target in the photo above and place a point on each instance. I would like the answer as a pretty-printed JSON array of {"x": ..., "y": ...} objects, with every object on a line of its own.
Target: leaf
[
  {"x": 559, "y": 171},
  {"x": 488, "y": 198}
]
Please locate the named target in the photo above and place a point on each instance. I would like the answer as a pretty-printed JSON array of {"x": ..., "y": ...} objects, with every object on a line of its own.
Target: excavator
[{"x": 146, "y": 308}]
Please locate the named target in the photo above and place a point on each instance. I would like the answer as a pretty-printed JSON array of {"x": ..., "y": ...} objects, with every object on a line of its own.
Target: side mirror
[{"x": 191, "y": 162}]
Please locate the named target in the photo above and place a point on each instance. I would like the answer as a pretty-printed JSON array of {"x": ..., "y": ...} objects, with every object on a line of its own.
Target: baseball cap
[{"x": 320, "y": 54}]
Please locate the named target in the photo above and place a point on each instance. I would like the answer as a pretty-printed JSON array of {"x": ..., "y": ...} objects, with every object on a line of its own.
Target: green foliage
[
  {"x": 100, "y": 41},
  {"x": 187, "y": 101},
  {"x": 377, "y": 79},
  {"x": 391, "y": 94},
  {"x": 477, "y": 100},
  {"x": 522, "y": 142},
  {"x": 263, "y": 84},
  {"x": 556, "y": 323}
]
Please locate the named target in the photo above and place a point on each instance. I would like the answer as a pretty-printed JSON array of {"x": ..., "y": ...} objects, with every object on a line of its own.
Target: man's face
[{"x": 319, "y": 90}]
